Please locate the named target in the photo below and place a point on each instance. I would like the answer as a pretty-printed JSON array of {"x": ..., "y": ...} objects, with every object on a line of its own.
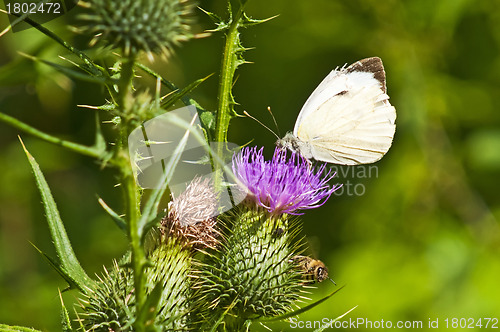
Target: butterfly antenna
[
  {"x": 263, "y": 125},
  {"x": 274, "y": 119}
]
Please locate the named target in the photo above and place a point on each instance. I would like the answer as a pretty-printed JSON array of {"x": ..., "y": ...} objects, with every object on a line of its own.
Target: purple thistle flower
[{"x": 282, "y": 185}]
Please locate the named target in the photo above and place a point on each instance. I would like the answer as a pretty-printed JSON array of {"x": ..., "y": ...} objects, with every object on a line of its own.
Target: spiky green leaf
[
  {"x": 219, "y": 22},
  {"x": 114, "y": 216},
  {"x": 104, "y": 80},
  {"x": 55, "y": 265},
  {"x": 68, "y": 263},
  {"x": 8, "y": 328},
  {"x": 65, "y": 320},
  {"x": 89, "y": 65},
  {"x": 186, "y": 99},
  {"x": 248, "y": 21},
  {"x": 179, "y": 94}
]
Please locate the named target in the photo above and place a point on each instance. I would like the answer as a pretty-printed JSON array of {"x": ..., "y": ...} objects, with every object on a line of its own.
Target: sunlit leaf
[{"x": 68, "y": 263}]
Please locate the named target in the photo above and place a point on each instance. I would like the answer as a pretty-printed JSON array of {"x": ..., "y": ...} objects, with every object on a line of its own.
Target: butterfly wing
[{"x": 348, "y": 118}]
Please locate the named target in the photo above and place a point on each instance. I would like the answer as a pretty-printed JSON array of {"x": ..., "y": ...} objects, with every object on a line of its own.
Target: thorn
[
  {"x": 88, "y": 106},
  {"x": 7, "y": 29},
  {"x": 202, "y": 35}
]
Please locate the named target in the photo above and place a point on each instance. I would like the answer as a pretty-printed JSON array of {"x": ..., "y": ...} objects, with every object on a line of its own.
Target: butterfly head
[{"x": 294, "y": 144}]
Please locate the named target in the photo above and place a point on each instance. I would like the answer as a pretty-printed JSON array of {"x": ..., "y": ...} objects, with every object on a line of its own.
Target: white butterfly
[{"x": 348, "y": 119}]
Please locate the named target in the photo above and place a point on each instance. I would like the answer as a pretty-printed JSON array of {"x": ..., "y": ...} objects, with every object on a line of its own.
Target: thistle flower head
[
  {"x": 191, "y": 215},
  {"x": 152, "y": 26},
  {"x": 110, "y": 303},
  {"x": 284, "y": 184}
]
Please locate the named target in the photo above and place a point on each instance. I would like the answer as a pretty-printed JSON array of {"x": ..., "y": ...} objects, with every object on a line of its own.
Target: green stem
[
  {"x": 228, "y": 68},
  {"x": 125, "y": 83},
  {"x": 130, "y": 187},
  {"x": 82, "y": 149},
  {"x": 230, "y": 62},
  {"x": 138, "y": 255},
  {"x": 124, "y": 100}
]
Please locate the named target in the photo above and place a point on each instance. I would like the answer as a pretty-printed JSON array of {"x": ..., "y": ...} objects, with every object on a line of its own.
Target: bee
[
  {"x": 314, "y": 269},
  {"x": 278, "y": 232}
]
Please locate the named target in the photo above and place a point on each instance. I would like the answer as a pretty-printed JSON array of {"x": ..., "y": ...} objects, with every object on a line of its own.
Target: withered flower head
[{"x": 192, "y": 216}]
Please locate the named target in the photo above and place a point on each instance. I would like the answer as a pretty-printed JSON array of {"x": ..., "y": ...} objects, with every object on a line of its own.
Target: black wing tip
[{"x": 372, "y": 65}]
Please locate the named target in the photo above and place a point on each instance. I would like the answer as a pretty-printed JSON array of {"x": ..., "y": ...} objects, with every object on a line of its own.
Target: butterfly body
[{"x": 348, "y": 119}]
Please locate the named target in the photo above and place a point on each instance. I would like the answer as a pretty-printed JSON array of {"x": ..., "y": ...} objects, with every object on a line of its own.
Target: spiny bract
[
  {"x": 250, "y": 276},
  {"x": 110, "y": 305}
]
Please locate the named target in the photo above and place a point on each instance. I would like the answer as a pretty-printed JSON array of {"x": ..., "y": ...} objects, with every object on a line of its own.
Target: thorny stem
[
  {"x": 132, "y": 195},
  {"x": 228, "y": 69},
  {"x": 125, "y": 83},
  {"x": 131, "y": 190},
  {"x": 226, "y": 81}
]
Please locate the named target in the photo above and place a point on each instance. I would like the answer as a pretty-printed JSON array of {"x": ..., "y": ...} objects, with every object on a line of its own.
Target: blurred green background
[{"x": 419, "y": 239}]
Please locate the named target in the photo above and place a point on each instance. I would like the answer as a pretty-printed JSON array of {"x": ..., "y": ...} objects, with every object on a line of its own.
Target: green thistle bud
[
  {"x": 252, "y": 275},
  {"x": 110, "y": 306},
  {"x": 107, "y": 307},
  {"x": 172, "y": 265},
  {"x": 151, "y": 26},
  {"x": 190, "y": 223}
]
